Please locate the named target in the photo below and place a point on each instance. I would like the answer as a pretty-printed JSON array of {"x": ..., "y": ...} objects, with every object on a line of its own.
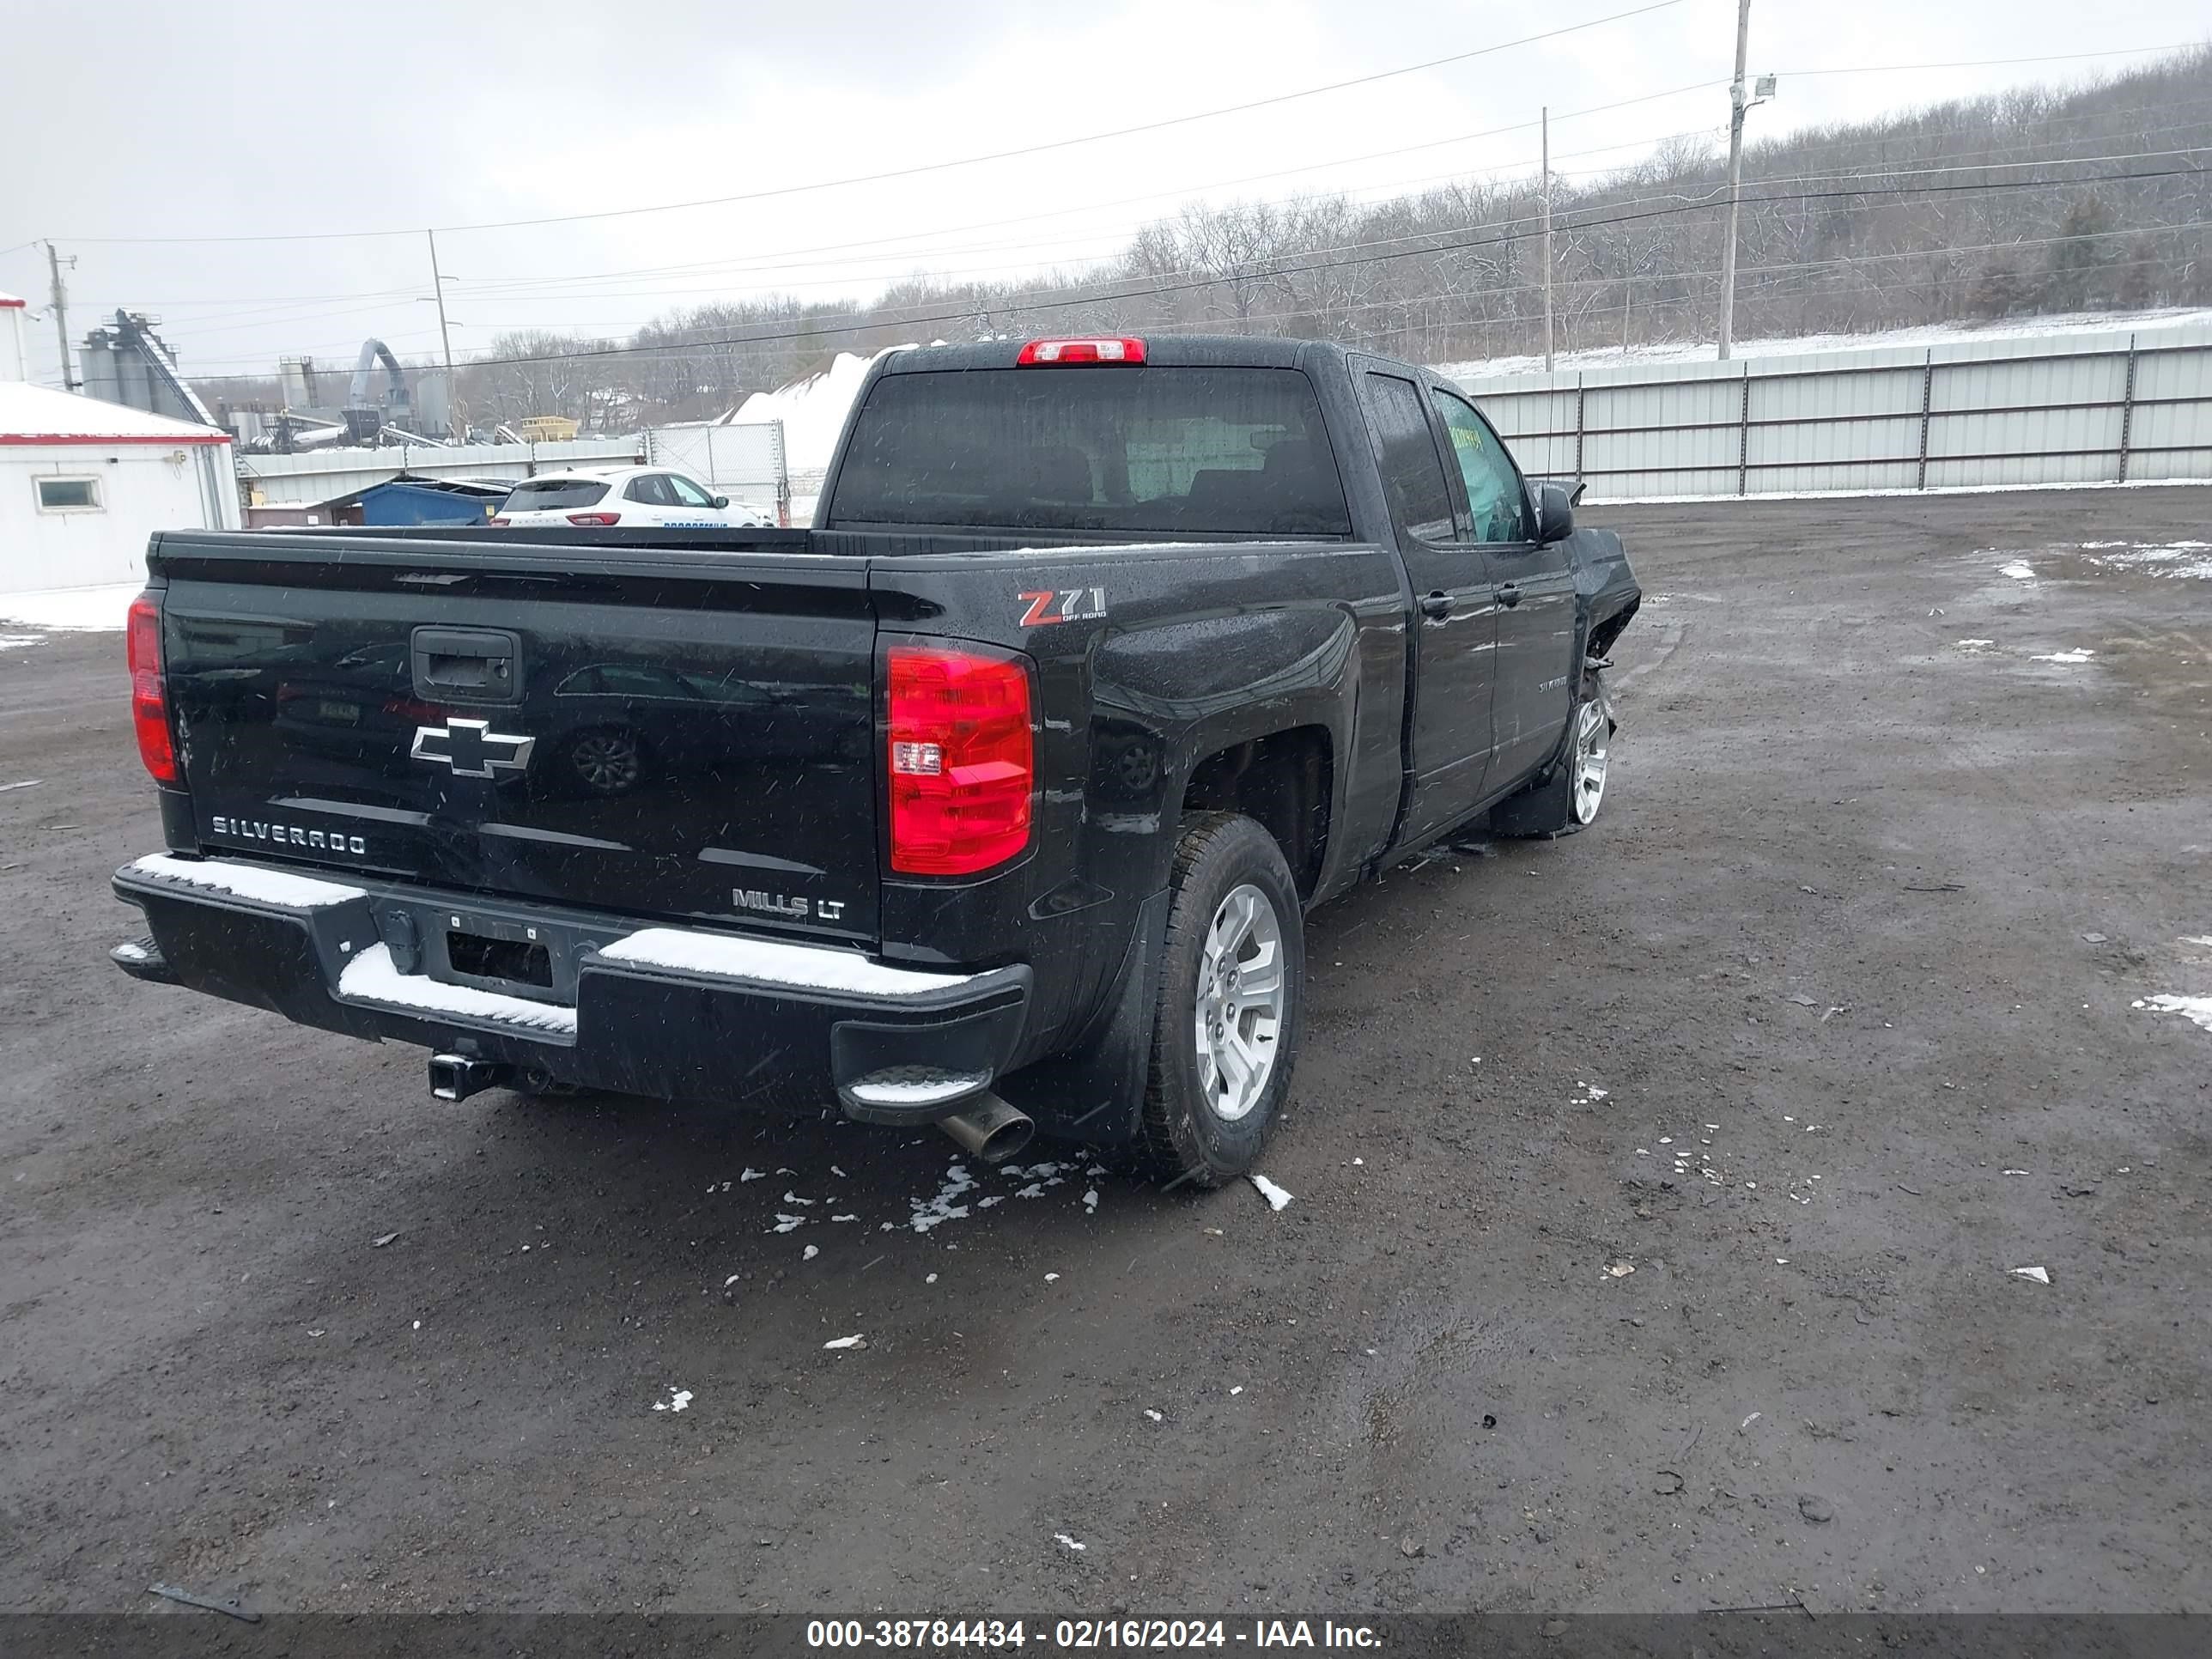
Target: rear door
[
  {"x": 688, "y": 738},
  {"x": 648, "y": 499},
  {"x": 1535, "y": 588},
  {"x": 555, "y": 497},
  {"x": 1454, "y": 608}
]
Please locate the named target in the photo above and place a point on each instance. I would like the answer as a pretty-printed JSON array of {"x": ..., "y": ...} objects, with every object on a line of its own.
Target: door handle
[
  {"x": 1437, "y": 605},
  {"x": 1510, "y": 595}
]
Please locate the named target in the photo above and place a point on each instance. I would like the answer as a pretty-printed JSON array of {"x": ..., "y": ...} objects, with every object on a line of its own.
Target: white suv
[{"x": 649, "y": 496}]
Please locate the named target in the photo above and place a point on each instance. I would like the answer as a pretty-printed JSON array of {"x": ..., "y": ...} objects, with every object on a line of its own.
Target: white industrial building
[{"x": 83, "y": 484}]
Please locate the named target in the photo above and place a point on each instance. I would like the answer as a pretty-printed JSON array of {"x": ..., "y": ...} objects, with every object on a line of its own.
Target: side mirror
[
  {"x": 1555, "y": 510},
  {"x": 721, "y": 500}
]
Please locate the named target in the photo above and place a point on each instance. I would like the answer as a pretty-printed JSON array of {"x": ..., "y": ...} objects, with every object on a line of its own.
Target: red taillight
[
  {"x": 1039, "y": 353},
  {"x": 150, "y": 697},
  {"x": 595, "y": 518},
  {"x": 963, "y": 763},
  {"x": 497, "y": 518}
]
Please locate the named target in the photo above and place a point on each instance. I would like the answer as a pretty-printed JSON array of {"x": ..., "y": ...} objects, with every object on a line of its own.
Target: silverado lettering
[
  {"x": 1073, "y": 863},
  {"x": 290, "y": 835}
]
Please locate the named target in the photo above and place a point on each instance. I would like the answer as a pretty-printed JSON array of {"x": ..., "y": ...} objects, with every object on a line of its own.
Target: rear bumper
[{"x": 668, "y": 1013}]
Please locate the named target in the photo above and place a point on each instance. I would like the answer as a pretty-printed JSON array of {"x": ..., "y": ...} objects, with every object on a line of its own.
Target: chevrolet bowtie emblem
[{"x": 471, "y": 748}]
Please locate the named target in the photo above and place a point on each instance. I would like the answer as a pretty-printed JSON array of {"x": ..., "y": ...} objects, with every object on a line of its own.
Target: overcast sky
[{"x": 137, "y": 121}]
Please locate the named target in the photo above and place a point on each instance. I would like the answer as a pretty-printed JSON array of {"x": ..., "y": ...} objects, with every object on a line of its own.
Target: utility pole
[
  {"x": 1547, "y": 236},
  {"x": 1736, "y": 107},
  {"x": 453, "y": 385},
  {"x": 60, "y": 293}
]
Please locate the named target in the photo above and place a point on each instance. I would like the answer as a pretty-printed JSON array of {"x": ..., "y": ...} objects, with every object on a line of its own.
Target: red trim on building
[
  {"x": 57, "y": 440},
  {"x": 9, "y": 303}
]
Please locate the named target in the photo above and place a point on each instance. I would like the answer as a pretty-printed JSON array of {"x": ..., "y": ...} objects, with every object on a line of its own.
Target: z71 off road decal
[{"x": 1063, "y": 606}]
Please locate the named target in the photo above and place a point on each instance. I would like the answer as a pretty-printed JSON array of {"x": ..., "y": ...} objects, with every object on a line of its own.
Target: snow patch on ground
[
  {"x": 1277, "y": 1197},
  {"x": 72, "y": 609},
  {"x": 2184, "y": 559},
  {"x": 678, "y": 1399},
  {"x": 2069, "y": 658},
  {"x": 930, "y": 1213},
  {"x": 2197, "y": 1011},
  {"x": 15, "y": 641},
  {"x": 2018, "y": 570}
]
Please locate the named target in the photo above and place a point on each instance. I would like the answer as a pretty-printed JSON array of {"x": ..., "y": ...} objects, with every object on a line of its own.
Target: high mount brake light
[
  {"x": 1039, "y": 354},
  {"x": 150, "y": 692},
  {"x": 962, "y": 762}
]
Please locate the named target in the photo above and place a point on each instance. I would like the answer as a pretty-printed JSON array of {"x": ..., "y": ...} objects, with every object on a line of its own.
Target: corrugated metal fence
[{"x": 2036, "y": 410}]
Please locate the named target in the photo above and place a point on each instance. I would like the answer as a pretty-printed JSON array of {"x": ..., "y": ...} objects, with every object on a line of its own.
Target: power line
[
  {"x": 985, "y": 272},
  {"x": 516, "y": 291},
  {"x": 920, "y": 169},
  {"x": 513, "y": 285},
  {"x": 1987, "y": 62},
  {"x": 1772, "y": 288},
  {"x": 1426, "y": 242},
  {"x": 518, "y": 288},
  {"x": 1432, "y": 245}
]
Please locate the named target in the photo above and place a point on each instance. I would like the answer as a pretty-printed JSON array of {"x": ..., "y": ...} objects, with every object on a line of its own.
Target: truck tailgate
[{"x": 688, "y": 735}]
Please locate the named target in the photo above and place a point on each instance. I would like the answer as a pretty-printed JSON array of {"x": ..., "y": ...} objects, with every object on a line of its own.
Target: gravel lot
[{"x": 1833, "y": 1022}]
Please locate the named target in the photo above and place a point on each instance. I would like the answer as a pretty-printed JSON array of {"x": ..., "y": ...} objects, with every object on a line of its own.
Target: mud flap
[
  {"x": 1543, "y": 809},
  {"x": 1096, "y": 1093}
]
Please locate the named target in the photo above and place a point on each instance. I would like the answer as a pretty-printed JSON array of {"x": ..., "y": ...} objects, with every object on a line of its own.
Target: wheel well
[
  {"x": 1602, "y": 637},
  {"x": 1283, "y": 780}
]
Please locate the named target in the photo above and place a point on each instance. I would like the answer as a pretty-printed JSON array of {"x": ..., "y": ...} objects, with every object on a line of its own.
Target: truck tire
[
  {"x": 1230, "y": 1004},
  {"x": 1567, "y": 797}
]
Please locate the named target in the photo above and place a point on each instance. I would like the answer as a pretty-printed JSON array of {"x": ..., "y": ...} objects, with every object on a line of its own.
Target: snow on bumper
[{"x": 672, "y": 1014}]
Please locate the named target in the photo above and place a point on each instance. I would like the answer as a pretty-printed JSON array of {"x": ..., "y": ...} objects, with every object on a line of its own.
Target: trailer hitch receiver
[{"x": 456, "y": 1076}]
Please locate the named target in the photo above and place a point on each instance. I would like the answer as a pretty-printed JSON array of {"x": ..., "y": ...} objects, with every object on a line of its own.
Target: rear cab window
[
  {"x": 553, "y": 494},
  {"x": 1156, "y": 450}
]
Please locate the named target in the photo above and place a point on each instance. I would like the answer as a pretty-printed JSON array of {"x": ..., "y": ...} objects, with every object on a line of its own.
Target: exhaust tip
[{"x": 991, "y": 1129}]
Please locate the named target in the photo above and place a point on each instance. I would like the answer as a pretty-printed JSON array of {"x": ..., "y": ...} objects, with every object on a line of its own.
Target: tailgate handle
[{"x": 469, "y": 665}]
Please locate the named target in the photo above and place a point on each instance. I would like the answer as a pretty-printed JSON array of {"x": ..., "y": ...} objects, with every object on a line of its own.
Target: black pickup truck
[{"x": 995, "y": 801}]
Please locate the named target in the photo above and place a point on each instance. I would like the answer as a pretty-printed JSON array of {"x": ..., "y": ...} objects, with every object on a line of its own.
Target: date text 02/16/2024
[{"x": 1087, "y": 1634}]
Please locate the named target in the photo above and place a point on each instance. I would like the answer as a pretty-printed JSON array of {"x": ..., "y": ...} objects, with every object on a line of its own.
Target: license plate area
[
  {"x": 536, "y": 958},
  {"x": 480, "y": 957}
]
